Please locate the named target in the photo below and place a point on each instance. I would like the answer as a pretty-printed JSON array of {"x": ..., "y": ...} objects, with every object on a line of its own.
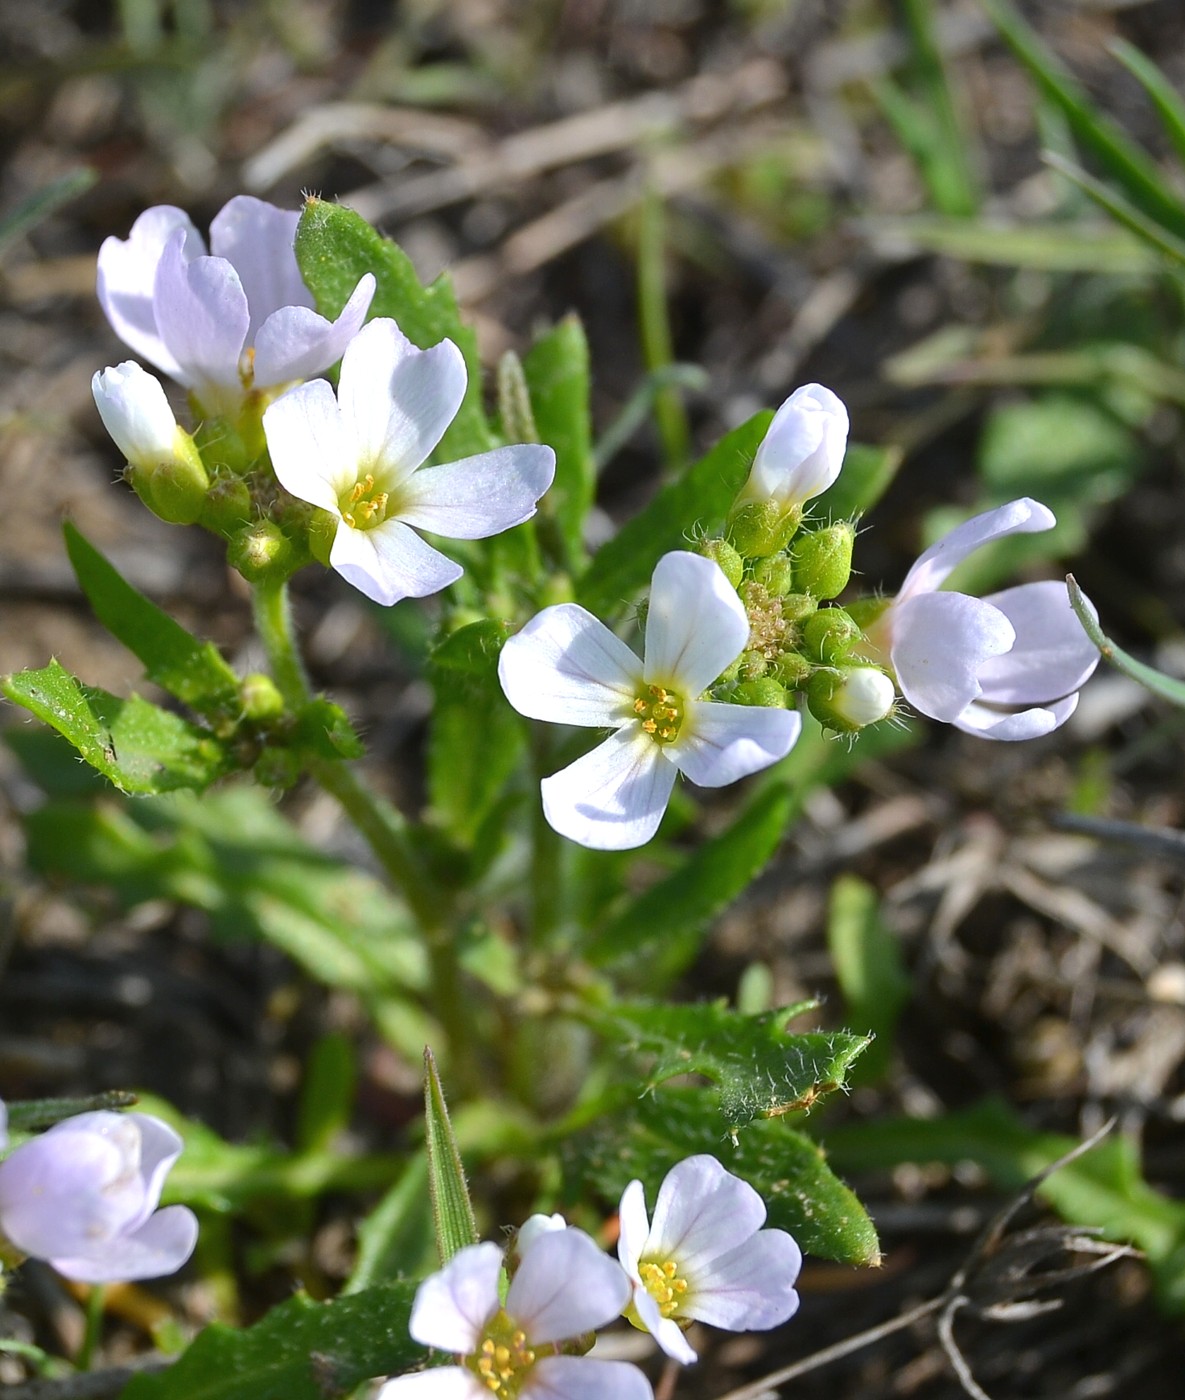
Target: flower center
[
  {"x": 503, "y": 1358},
  {"x": 661, "y": 713},
  {"x": 664, "y": 1285},
  {"x": 363, "y": 506}
]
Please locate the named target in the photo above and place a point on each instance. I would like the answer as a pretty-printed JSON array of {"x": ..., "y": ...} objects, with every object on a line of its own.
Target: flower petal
[
  {"x": 438, "y": 1383},
  {"x": 585, "y": 1378},
  {"x": 259, "y": 241},
  {"x": 565, "y": 1286},
  {"x": 202, "y": 316},
  {"x": 703, "y": 1211},
  {"x": 296, "y": 343},
  {"x": 65, "y": 1190},
  {"x": 940, "y": 642},
  {"x": 935, "y": 564},
  {"x": 802, "y": 453},
  {"x": 127, "y": 280},
  {"x": 312, "y": 454},
  {"x": 665, "y": 1330},
  {"x": 567, "y": 667},
  {"x": 634, "y": 1228},
  {"x": 696, "y": 626},
  {"x": 452, "y": 1307},
  {"x": 135, "y": 412},
  {"x": 160, "y": 1147},
  {"x": 613, "y": 798},
  {"x": 159, "y": 1247},
  {"x": 721, "y": 743},
  {"x": 1051, "y": 657},
  {"x": 750, "y": 1288},
  {"x": 398, "y": 399},
  {"x": 478, "y": 496},
  {"x": 390, "y": 562},
  {"x": 989, "y": 723}
]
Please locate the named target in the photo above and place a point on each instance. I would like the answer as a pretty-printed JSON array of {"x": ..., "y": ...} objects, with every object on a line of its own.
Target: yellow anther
[
  {"x": 661, "y": 713},
  {"x": 363, "y": 505},
  {"x": 664, "y": 1285}
]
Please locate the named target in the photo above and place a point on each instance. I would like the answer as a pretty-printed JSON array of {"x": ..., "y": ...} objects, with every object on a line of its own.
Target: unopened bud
[
  {"x": 760, "y": 528},
  {"x": 228, "y": 506},
  {"x": 776, "y": 574},
  {"x": 823, "y": 560},
  {"x": 732, "y": 566},
  {"x": 791, "y": 670},
  {"x": 763, "y": 693},
  {"x": 753, "y": 664},
  {"x": 849, "y": 700},
  {"x": 259, "y": 550},
  {"x": 260, "y": 698},
  {"x": 829, "y": 634}
]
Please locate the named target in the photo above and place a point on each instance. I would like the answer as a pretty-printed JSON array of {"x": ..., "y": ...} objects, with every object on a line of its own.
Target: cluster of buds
[{"x": 704, "y": 1257}]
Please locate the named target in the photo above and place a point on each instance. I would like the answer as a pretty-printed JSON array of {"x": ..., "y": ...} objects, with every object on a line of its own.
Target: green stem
[
  {"x": 95, "y": 1303},
  {"x": 273, "y": 622}
]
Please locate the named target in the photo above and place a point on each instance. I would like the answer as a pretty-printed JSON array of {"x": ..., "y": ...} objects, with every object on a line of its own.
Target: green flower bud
[
  {"x": 731, "y": 563},
  {"x": 260, "y": 699},
  {"x": 228, "y": 505},
  {"x": 797, "y": 607},
  {"x": 865, "y": 611},
  {"x": 174, "y": 489},
  {"x": 260, "y": 551},
  {"x": 823, "y": 560},
  {"x": 829, "y": 635},
  {"x": 776, "y": 573},
  {"x": 850, "y": 699},
  {"x": 752, "y": 665},
  {"x": 761, "y": 528},
  {"x": 277, "y": 768},
  {"x": 763, "y": 692},
  {"x": 791, "y": 670}
]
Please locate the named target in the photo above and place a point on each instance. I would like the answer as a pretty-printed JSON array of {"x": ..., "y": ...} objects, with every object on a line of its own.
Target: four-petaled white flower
[
  {"x": 564, "y": 1287},
  {"x": 705, "y": 1257},
  {"x": 1008, "y": 666},
  {"x": 802, "y": 453},
  {"x": 567, "y": 667},
  {"x": 358, "y": 456},
  {"x": 225, "y": 324}
]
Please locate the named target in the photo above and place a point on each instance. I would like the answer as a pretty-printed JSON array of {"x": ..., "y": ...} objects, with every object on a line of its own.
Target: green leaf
[
  {"x": 700, "y": 499},
  {"x": 26, "y": 1115},
  {"x": 948, "y": 164},
  {"x": 1123, "y": 160},
  {"x": 867, "y": 474},
  {"x": 647, "y": 1136},
  {"x": 193, "y": 671},
  {"x": 1049, "y": 247},
  {"x": 1156, "y": 681},
  {"x": 661, "y": 925},
  {"x": 395, "y": 1239},
  {"x": 452, "y": 1210},
  {"x": 300, "y": 1351},
  {"x": 1120, "y": 209},
  {"x": 335, "y": 247},
  {"x": 758, "y": 1068},
  {"x": 556, "y": 367},
  {"x": 1165, "y": 98},
  {"x": 1104, "y": 1189},
  {"x": 869, "y": 969},
  {"x": 327, "y": 1093},
  {"x": 132, "y": 743}
]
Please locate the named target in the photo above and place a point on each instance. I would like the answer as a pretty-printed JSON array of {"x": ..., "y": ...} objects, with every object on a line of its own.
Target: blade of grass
[
  {"x": 655, "y": 328},
  {"x": 1119, "y": 208},
  {"x": 1168, "y": 102},
  {"x": 952, "y": 180},
  {"x": 1159, "y": 684}
]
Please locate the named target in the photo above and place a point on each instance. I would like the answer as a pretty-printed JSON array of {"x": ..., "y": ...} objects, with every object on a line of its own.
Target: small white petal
[
  {"x": 438, "y": 1383},
  {"x": 703, "y": 1211},
  {"x": 202, "y": 315},
  {"x": 1052, "y": 655},
  {"x": 935, "y": 564},
  {"x": 634, "y": 1227},
  {"x": 313, "y": 455},
  {"x": 989, "y": 723},
  {"x": 258, "y": 240},
  {"x": 803, "y": 451},
  {"x": 585, "y": 1378},
  {"x": 534, "y": 1228},
  {"x": 136, "y": 413},
  {"x": 159, "y": 1247},
  {"x": 749, "y": 1289},
  {"x": 665, "y": 1330},
  {"x": 566, "y": 1286},
  {"x": 696, "y": 626},
  {"x": 940, "y": 642},
  {"x": 719, "y": 743},
  {"x": 452, "y": 1307},
  {"x": 567, "y": 667},
  {"x": 478, "y": 496},
  {"x": 296, "y": 343},
  {"x": 390, "y": 562},
  {"x": 613, "y": 798}
]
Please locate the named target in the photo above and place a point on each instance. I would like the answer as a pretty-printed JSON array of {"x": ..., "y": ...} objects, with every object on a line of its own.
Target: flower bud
[
  {"x": 164, "y": 465},
  {"x": 776, "y": 574},
  {"x": 259, "y": 550},
  {"x": 823, "y": 560},
  {"x": 260, "y": 698},
  {"x": 791, "y": 670},
  {"x": 829, "y": 635},
  {"x": 803, "y": 451},
  {"x": 228, "y": 504},
  {"x": 732, "y": 566},
  {"x": 758, "y": 529},
  {"x": 849, "y": 700},
  {"x": 764, "y": 692}
]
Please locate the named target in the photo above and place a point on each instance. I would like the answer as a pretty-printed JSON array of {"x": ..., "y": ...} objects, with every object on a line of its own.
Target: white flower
[
  {"x": 705, "y": 1257},
  {"x": 225, "y": 324},
  {"x": 534, "y": 1228},
  {"x": 864, "y": 696},
  {"x": 136, "y": 413},
  {"x": 358, "y": 457},
  {"x": 801, "y": 454},
  {"x": 563, "y": 1288},
  {"x": 1008, "y": 666},
  {"x": 567, "y": 667}
]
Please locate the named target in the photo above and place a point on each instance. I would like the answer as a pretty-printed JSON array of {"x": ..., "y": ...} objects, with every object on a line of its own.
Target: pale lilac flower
[
  {"x": 84, "y": 1194},
  {"x": 534, "y": 1228},
  {"x": 1008, "y": 666},
  {"x": 802, "y": 453},
  {"x": 222, "y": 325},
  {"x": 567, "y": 667},
  {"x": 705, "y": 1257},
  {"x": 359, "y": 457},
  {"x": 564, "y": 1288}
]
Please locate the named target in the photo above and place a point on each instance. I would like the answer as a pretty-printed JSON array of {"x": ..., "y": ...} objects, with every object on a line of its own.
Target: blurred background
[{"x": 974, "y": 232}]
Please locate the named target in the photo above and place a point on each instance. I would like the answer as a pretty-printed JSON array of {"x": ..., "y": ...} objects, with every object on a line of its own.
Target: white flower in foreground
[
  {"x": 802, "y": 453},
  {"x": 705, "y": 1257},
  {"x": 567, "y": 667},
  {"x": 1008, "y": 666},
  {"x": 564, "y": 1288},
  {"x": 84, "y": 1194},
  {"x": 225, "y": 324},
  {"x": 359, "y": 455}
]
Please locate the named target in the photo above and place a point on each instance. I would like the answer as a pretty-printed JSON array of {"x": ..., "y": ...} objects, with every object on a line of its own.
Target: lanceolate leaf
[{"x": 452, "y": 1211}]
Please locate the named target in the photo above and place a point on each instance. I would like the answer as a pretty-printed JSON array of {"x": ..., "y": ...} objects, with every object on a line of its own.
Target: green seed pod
[
  {"x": 791, "y": 670},
  {"x": 823, "y": 560},
  {"x": 848, "y": 700},
  {"x": 776, "y": 573},
  {"x": 761, "y": 528},
  {"x": 829, "y": 635},
  {"x": 764, "y": 693},
  {"x": 731, "y": 563}
]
